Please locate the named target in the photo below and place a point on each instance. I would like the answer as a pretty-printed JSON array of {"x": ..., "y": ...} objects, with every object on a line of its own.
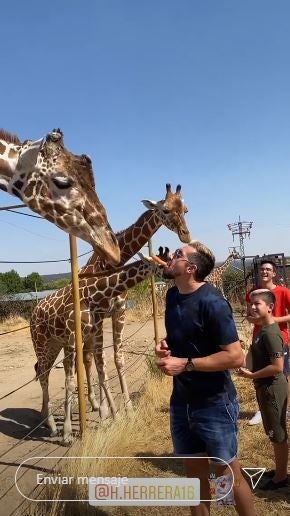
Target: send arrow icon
[{"x": 255, "y": 475}]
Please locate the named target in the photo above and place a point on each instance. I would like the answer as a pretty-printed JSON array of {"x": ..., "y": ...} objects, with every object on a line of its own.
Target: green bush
[
  {"x": 154, "y": 371},
  {"x": 15, "y": 308}
]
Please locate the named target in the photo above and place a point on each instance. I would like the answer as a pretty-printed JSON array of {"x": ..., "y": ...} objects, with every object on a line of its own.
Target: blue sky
[{"x": 191, "y": 92}]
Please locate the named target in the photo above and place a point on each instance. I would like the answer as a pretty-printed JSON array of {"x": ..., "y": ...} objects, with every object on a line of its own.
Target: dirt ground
[
  {"x": 20, "y": 415},
  {"x": 20, "y": 411}
]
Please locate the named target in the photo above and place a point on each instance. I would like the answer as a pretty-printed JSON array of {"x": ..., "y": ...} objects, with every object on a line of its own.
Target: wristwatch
[{"x": 189, "y": 365}]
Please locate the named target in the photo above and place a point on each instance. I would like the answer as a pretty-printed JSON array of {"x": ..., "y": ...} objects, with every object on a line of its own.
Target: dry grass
[
  {"x": 245, "y": 334},
  {"x": 147, "y": 434},
  {"x": 13, "y": 323},
  {"x": 142, "y": 310}
]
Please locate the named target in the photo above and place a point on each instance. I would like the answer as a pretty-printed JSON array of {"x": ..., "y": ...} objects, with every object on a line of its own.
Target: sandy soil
[{"x": 19, "y": 411}]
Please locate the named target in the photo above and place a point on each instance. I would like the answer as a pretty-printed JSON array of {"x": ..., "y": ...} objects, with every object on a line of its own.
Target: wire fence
[
  {"x": 43, "y": 421},
  {"x": 137, "y": 356},
  {"x": 140, "y": 354}
]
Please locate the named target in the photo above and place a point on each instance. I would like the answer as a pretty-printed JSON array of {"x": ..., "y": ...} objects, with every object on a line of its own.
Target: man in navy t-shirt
[{"x": 200, "y": 347}]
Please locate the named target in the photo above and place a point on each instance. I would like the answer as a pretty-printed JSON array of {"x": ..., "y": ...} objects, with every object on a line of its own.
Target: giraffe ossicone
[{"x": 59, "y": 186}]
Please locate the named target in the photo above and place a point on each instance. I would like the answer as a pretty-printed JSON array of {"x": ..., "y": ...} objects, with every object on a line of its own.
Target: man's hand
[
  {"x": 171, "y": 366},
  {"x": 245, "y": 373},
  {"x": 161, "y": 349}
]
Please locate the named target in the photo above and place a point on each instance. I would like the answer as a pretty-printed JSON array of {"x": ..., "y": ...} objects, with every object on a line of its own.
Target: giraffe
[
  {"x": 59, "y": 186},
  {"x": 169, "y": 212},
  {"x": 216, "y": 276},
  {"x": 51, "y": 332}
]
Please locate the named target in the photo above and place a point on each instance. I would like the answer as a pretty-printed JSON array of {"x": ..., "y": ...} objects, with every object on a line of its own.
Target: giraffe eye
[
  {"x": 166, "y": 212},
  {"x": 63, "y": 182}
]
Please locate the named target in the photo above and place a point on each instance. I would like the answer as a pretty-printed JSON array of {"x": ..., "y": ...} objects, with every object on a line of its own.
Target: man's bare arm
[{"x": 231, "y": 357}]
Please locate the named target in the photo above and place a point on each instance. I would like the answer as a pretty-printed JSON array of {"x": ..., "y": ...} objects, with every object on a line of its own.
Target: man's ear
[{"x": 192, "y": 267}]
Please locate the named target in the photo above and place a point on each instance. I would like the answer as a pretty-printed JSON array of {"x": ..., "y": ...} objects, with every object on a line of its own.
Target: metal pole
[
  {"x": 154, "y": 302},
  {"x": 78, "y": 333},
  {"x": 245, "y": 276}
]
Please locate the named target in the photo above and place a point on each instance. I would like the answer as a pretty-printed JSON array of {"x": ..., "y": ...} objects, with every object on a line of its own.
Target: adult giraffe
[
  {"x": 168, "y": 212},
  {"x": 59, "y": 186},
  {"x": 50, "y": 333},
  {"x": 216, "y": 276},
  {"x": 49, "y": 318}
]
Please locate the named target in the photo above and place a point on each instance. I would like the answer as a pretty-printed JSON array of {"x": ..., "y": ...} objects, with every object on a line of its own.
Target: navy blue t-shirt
[{"x": 197, "y": 324}]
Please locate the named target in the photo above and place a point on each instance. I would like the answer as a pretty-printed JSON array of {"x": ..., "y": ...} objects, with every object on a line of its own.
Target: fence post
[
  {"x": 154, "y": 302},
  {"x": 78, "y": 333}
]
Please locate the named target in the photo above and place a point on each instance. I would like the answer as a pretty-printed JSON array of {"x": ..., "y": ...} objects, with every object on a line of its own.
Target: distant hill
[{"x": 54, "y": 277}]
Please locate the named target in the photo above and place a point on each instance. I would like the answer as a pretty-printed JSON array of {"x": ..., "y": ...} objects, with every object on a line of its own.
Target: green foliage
[
  {"x": 12, "y": 282},
  {"x": 233, "y": 285},
  {"x": 141, "y": 289},
  {"x": 3, "y": 287},
  {"x": 16, "y": 308},
  {"x": 152, "y": 367},
  {"x": 33, "y": 282},
  {"x": 56, "y": 284}
]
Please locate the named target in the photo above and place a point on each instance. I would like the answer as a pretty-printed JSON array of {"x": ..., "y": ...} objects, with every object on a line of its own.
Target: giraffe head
[
  {"x": 59, "y": 186},
  {"x": 171, "y": 211},
  {"x": 235, "y": 255}
]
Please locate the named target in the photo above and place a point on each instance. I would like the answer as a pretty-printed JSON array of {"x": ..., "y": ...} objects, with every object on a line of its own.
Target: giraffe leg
[
  {"x": 43, "y": 370},
  {"x": 68, "y": 363},
  {"x": 118, "y": 322},
  {"x": 88, "y": 357},
  {"x": 105, "y": 393}
]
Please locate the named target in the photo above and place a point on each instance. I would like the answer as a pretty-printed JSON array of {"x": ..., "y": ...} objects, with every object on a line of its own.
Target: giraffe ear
[
  {"x": 151, "y": 205},
  {"x": 4, "y": 182},
  {"x": 6, "y": 175},
  {"x": 28, "y": 157}
]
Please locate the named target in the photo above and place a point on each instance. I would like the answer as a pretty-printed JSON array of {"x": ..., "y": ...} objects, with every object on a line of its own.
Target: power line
[
  {"x": 47, "y": 261},
  {"x": 25, "y": 214}
]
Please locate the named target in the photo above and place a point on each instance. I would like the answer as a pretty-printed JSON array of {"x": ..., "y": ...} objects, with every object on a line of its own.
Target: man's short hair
[
  {"x": 265, "y": 294},
  {"x": 264, "y": 261},
  {"x": 203, "y": 258}
]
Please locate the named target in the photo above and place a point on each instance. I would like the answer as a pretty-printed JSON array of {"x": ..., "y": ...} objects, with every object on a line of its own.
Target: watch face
[{"x": 189, "y": 366}]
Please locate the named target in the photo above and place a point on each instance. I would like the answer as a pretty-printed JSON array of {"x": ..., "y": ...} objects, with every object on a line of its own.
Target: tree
[
  {"x": 56, "y": 284},
  {"x": 33, "y": 282},
  {"x": 233, "y": 285},
  {"x": 3, "y": 287},
  {"x": 12, "y": 282}
]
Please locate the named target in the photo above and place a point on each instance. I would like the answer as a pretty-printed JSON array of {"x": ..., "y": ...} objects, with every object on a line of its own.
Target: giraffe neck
[
  {"x": 218, "y": 271},
  {"x": 104, "y": 289},
  {"x": 130, "y": 240},
  {"x": 226, "y": 264}
]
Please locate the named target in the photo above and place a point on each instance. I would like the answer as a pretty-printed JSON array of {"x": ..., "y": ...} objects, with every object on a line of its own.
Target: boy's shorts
[
  {"x": 272, "y": 401},
  {"x": 205, "y": 431}
]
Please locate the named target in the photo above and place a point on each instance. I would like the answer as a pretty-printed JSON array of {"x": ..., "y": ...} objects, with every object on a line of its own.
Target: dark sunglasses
[{"x": 178, "y": 254}]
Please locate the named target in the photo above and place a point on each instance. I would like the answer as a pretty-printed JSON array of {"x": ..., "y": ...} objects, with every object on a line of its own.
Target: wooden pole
[
  {"x": 154, "y": 302},
  {"x": 78, "y": 333}
]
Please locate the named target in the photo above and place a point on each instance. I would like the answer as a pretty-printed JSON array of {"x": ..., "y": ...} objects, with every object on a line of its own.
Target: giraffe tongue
[{"x": 158, "y": 260}]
